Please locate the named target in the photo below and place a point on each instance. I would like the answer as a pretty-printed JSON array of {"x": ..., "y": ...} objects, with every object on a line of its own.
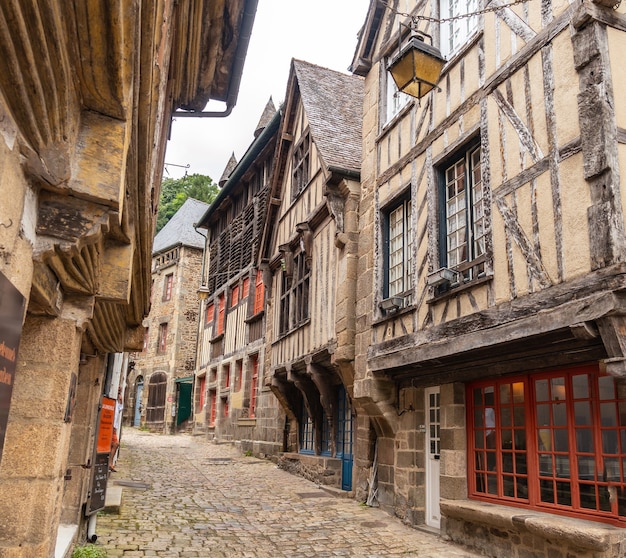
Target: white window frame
[{"x": 457, "y": 32}]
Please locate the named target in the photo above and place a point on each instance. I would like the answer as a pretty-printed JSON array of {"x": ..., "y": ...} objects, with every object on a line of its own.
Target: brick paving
[{"x": 185, "y": 497}]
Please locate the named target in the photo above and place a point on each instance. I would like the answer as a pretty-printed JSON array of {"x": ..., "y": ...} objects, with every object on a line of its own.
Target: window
[
  {"x": 221, "y": 303},
  {"x": 238, "y": 374},
  {"x": 555, "y": 442},
  {"x": 307, "y": 432},
  {"x": 162, "y": 342},
  {"x": 245, "y": 287},
  {"x": 234, "y": 296},
  {"x": 462, "y": 215},
  {"x": 398, "y": 250},
  {"x": 301, "y": 162},
  {"x": 213, "y": 398},
  {"x": 259, "y": 292},
  {"x": 395, "y": 100},
  {"x": 294, "y": 298},
  {"x": 456, "y": 32},
  {"x": 253, "y": 385},
  {"x": 201, "y": 389},
  {"x": 210, "y": 314},
  {"x": 167, "y": 287},
  {"x": 157, "y": 387},
  {"x": 225, "y": 407},
  {"x": 146, "y": 339},
  {"x": 226, "y": 370}
]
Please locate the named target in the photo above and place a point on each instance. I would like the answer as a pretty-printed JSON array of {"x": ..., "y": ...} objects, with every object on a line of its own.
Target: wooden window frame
[
  {"x": 294, "y": 297},
  {"x": 557, "y": 446},
  {"x": 403, "y": 284},
  {"x": 245, "y": 287},
  {"x": 209, "y": 314},
  {"x": 301, "y": 161},
  {"x": 254, "y": 361},
  {"x": 234, "y": 296},
  {"x": 457, "y": 31},
  {"x": 221, "y": 314},
  {"x": 259, "y": 293},
  {"x": 162, "y": 341},
  {"x": 168, "y": 285},
  {"x": 465, "y": 252}
]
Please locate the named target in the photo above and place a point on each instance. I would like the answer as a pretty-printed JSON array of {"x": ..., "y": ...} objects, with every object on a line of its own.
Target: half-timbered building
[
  {"x": 491, "y": 331},
  {"x": 87, "y": 91},
  {"x": 161, "y": 377},
  {"x": 309, "y": 255},
  {"x": 231, "y": 399}
]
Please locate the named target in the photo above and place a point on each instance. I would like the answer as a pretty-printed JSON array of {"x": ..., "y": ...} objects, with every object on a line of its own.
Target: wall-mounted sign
[
  {"x": 12, "y": 305},
  {"x": 105, "y": 429}
]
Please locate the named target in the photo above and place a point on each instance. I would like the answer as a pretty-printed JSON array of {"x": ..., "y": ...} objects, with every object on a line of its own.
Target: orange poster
[{"x": 105, "y": 431}]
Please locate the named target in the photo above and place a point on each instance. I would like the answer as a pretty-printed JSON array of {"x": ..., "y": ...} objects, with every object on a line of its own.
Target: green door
[{"x": 184, "y": 402}]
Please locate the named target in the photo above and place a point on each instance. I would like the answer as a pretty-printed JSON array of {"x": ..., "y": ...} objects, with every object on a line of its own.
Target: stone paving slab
[{"x": 185, "y": 497}]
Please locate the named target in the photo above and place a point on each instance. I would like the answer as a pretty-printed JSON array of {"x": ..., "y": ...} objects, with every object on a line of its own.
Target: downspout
[{"x": 240, "y": 58}]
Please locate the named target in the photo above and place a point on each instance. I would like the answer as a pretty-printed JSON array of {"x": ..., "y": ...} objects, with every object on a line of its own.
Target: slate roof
[
  {"x": 179, "y": 229},
  {"x": 333, "y": 102}
]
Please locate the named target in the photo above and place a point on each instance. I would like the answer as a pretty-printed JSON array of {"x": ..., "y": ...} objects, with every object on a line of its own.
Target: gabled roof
[
  {"x": 333, "y": 102},
  {"x": 180, "y": 228}
]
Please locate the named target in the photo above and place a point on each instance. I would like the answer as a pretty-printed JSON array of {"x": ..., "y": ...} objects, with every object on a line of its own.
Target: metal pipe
[{"x": 91, "y": 528}]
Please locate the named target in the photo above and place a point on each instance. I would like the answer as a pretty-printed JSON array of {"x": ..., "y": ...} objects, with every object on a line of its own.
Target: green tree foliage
[{"x": 175, "y": 191}]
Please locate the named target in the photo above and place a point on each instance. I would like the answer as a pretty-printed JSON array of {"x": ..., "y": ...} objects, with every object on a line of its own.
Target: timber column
[{"x": 37, "y": 438}]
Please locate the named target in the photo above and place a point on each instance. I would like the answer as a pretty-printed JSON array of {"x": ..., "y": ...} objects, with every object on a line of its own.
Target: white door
[{"x": 433, "y": 515}]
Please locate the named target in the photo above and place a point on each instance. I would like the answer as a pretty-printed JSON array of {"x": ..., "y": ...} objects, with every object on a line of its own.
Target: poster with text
[{"x": 12, "y": 305}]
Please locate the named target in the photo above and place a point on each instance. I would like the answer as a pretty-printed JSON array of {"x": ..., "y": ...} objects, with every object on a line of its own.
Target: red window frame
[
  {"x": 213, "y": 407},
  {"x": 253, "y": 385},
  {"x": 162, "y": 344},
  {"x": 167, "y": 287},
  {"x": 227, "y": 375},
  {"x": 234, "y": 296},
  {"x": 245, "y": 287},
  {"x": 201, "y": 387},
  {"x": 557, "y": 443},
  {"x": 221, "y": 312},
  {"x": 210, "y": 314},
  {"x": 259, "y": 292}
]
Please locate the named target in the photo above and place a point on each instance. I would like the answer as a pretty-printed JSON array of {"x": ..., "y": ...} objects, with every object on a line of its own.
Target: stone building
[
  {"x": 161, "y": 380},
  {"x": 490, "y": 314},
  {"x": 87, "y": 94},
  {"x": 232, "y": 399},
  {"x": 310, "y": 254}
]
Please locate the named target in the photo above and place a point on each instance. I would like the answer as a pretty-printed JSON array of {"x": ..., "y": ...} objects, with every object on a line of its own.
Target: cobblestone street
[{"x": 185, "y": 497}]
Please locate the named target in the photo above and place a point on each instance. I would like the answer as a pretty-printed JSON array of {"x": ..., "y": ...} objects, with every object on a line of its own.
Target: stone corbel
[
  {"x": 306, "y": 242},
  {"x": 336, "y": 203},
  {"x": 287, "y": 259}
]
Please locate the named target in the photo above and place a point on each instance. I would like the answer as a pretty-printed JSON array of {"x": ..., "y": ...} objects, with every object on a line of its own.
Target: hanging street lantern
[{"x": 417, "y": 67}]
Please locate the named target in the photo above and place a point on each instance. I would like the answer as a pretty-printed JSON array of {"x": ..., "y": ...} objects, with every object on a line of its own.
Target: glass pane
[
  {"x": 584, "y": 440},
  {"x": 507, "y": 439},
  {"x": 558, "y": 389},
  {"x": 562, "y": 466},
  {"x": 518, "y": 392},
  {"x": 609, "y": 442},
  {"x": 611, "y": 470},
  {"x": 520, "y": 416},
  {"x": 561, "y": 440},
  {"x": 479, "y": 414},
  {"x": 586, "y": 467},
  {"x": 564, "y": 493},
  {"x": 507, "y": 462},
  {"x": 608, "y": 414},
  {"x": 543, "y": 415},
  {"x": 480, "y": 482},
  {"x": 505, "y": 393},
  {"x": 559, "y": 414},
  {"x": 582, "y": 413},
  {"x": 522, "y": 488},
  {"x": 545, "y": 465},
  {"x": 508, "y": 486},
  {"x": 492, "y": 484},
  {"x": 544, "y": 439},
  {"x": 588, "y": 497},
  {"x": 479, "y": 439},
  {"x": 607, "y": 387},
  {"x": 547, "y": 491},
  {"x": 520, "y": 439},
  {"x": 520, "y": 463},
  {"x": 622, "y": 413},
  {"x": 541, "y": 390},
  {"x": 505, "y": 416},
  {"x": 580, "y": 385}
]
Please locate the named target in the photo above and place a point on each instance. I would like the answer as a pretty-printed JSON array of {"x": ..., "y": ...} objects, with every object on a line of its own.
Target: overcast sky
[{"x": 323, "y": 32}]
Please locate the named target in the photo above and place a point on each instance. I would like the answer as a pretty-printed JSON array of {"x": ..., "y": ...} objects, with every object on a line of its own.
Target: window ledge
[
  {"x": 391, "y": 315},
  {"x": 217, "y": 338},
  {"x": 255, "y": 317},
  {"x": 456, "y": 290},
  {"x": 581, "y": 533},
  {"x": 246, "y": 422}
]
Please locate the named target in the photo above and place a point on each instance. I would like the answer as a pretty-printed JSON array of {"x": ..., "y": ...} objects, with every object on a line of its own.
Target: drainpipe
[
  {"x": 91, "y": 528},
  {"x": 235, "y": 80}
]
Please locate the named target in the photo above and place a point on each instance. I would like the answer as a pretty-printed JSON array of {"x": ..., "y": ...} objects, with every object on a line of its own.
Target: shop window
[{"x": 554, "y": 442}]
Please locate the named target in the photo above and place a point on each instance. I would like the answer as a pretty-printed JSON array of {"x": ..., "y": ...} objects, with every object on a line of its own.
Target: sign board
[
  {"x": 105, "y": 429},
  {"x": 99, "y": 477},
  {"x": 12, "y": 305}
]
